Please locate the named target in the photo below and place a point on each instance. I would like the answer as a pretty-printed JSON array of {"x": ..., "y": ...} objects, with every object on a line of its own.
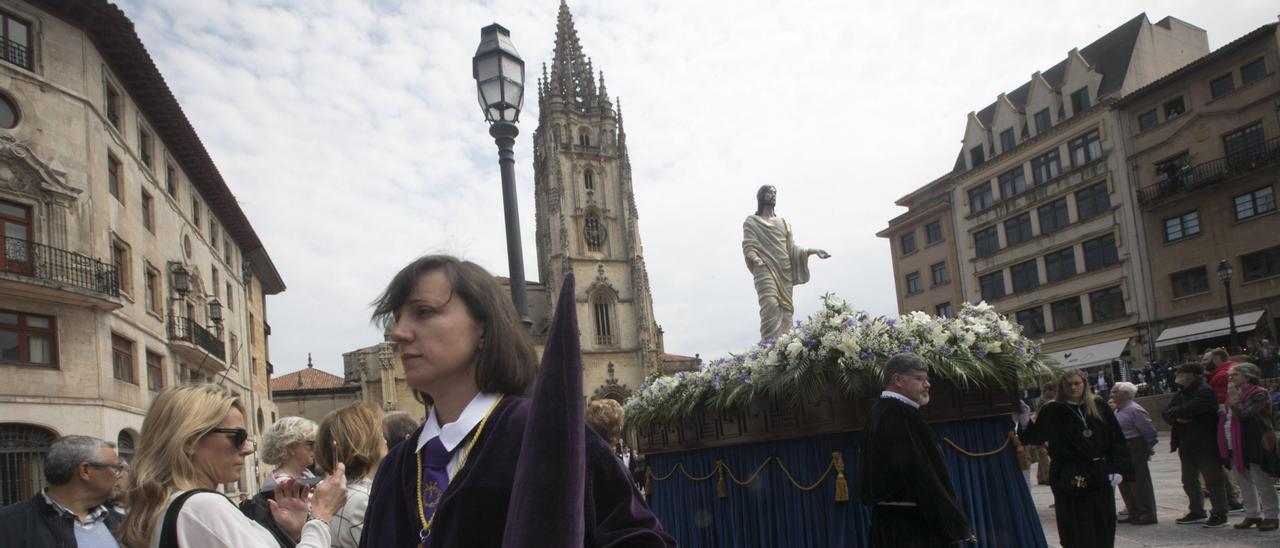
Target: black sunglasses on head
[{"x": 238, "y": 435}]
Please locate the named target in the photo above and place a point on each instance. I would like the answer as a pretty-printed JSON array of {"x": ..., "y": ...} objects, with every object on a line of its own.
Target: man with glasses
[
  {"x": 72, "y": 510},
  {"x": 903, "y": 477}
]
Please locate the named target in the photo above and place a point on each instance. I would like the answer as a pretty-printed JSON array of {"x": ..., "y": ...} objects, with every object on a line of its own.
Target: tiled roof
[{"x": 308, "y": 378}]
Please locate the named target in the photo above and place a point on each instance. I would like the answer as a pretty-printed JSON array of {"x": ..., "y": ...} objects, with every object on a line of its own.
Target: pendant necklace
[{"x": 1077, "y": 411}]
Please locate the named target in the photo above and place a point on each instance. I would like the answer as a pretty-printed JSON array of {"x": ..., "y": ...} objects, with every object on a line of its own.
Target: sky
[{"x": 350, "y": 133}]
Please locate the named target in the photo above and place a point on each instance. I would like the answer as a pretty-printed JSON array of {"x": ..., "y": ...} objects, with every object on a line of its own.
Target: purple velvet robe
[{"x": 473, "y": 512}]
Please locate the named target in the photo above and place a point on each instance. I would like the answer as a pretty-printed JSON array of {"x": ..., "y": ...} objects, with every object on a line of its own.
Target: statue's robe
[
  {"x": 785, "y": 266},
  {"x": 904, "y": 481},
  {"x": 473, "y": 510}
]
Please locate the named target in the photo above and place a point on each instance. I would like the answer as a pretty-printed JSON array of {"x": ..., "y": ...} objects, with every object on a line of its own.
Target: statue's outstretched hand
[{"x": 821, "y": 254}]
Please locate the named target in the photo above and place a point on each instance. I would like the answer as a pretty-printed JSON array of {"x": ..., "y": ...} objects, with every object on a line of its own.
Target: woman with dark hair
[
  {"x": 466, "y": 354},
  {"x": 1088, "y": 458}
]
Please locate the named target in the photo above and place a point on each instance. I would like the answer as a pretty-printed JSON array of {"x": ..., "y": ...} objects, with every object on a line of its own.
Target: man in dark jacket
[
  {"x": 1193, "y": 414},
  {"x": 72, "y": 511}
]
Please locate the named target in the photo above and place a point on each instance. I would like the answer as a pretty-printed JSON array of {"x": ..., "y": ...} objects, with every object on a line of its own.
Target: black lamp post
[
  {"x": 215, "y": 312},
  {"x": 499, "y": 73},
  {"x": 1224, "y": 273}
]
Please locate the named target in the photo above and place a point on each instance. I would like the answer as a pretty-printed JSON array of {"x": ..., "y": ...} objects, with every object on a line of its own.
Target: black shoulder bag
[{"x": 169, "y": 529}]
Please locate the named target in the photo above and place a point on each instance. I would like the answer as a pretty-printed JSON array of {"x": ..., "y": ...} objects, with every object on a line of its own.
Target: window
[
  {"x": 1100, "y": 253},
  {"x": 171, "y": 180},
  {"x": 913, "y": 283},
  {"x": 1176, "y": 168},
  {"x": 976, "y": 157},
  {"x": 145, "y": 146},
  {"x": 1067, "y": 314},
  {"x": 1174, "y": 108},
  {"x": 992, "y": 285},
  {"x": 908, "y": 242},
  {"x": 603, "y": 309},
  {"x": 986, "y": 242},
  {"x": 1060, "y": 265},
  {"x": 230, "y": 297},
  {"x": 217, "y": 281},
  {"x": 1080, "y": 100},
  {"x": 1191, "y": 281},
  {"x": 8, "y": 113},
  {"x": 113, "y": 177},
  {"x": 1031, "y": 320},
  {"x": 28, "y": 339},
  {"x": 155, "y": 372},
  {"x": 1255, "y": 203},
  {"x": 1046, "y": 166},
  {"x": 226, "y": 248},
  {"x": 588, "y": 180},
  {"x": 584, "y": 138},
  {"x": 1245, "y": 145},
  {"x": 235, "y": 345},
  {"x": 943, "y": 310},
  {"x": 593, "y": 232},
  {"x": 122, "y": 358},
  {"x": 1093, "y": 201},
  {"x": 1181, "y": 226},
  {"x": 120, "y": 259},
  {"x": 940, "y": 273},
  {"x": 15, "y": 231},
  {"x": 195, "y": 209},
  {"x": 1012, "y": 183},
  {"x": 153, "y": 294},
  {"x": 1107, "y": 304},
  {"x": 17, "y": 41},
  {"x": 1006, "y": 140},
  {"x": 1043, "y": 122},
  {"x": 1085, "y": 148},
  {"x": 1025, "y": 276},
  {"x": 1017, "y": 229},
  {"x": 1222, "y": 85},
  {"x": 1261, "y": 264},
  {"x": 213, "y": 235},
  {"x": 1252, "y": 71},
  {"x": 933, "y": 232},
  {"x": 148, "y": 217},
  {"x": 1147, "y": 120},
  {"x": 1053, "y": 215},
  {"x": 980, "y": 198}
]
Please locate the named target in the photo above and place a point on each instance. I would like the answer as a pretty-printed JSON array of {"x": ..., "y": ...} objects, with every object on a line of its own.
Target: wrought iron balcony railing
[
  {"x": 15, "y": 53},
  {"x": 1186, "y": 178},
  {"x": 189, "y": 331},
  {"x": 26, "y": 258}
]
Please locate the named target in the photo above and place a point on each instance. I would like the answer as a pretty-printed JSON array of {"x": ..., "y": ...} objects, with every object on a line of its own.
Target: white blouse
[
  {"x": 209, "y": 520},
  {"x": 347, "y": 524}
]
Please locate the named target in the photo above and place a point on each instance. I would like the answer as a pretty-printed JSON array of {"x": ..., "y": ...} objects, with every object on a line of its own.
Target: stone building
[
  {"x": 925, "y": 264},
  {"x": 1204, "y": 146},
  {"x": 125, "y": 254},
  {"x": 379, "y": 373},
  {"x": 1040, "y": 199},
  {"x": 312, "y": 393}
]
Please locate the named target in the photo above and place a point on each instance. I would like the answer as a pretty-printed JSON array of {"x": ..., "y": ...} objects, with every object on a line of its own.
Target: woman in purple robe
[{"x": 469, "y": 359}]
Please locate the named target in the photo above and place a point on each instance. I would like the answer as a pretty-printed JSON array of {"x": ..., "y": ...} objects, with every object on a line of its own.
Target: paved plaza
[{"x": 1171, "y": 504}]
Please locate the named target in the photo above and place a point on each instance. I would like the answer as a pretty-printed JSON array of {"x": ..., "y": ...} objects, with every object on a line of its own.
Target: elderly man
[
  {"x": 1140, "y": 436},
  {"x": 397, "y": 426},
  {"x": 72, "y": 511},
  {"x": 903, "y": 477},
  {"x": 1193, "y": 414}
]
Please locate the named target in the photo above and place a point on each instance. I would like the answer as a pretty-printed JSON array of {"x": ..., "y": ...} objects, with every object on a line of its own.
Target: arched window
[
  {"x": 124, "y": 446},
  {"x": 261, "y": 426},
  {"x": 8, "y": 112},
  {"x": 584, "y": 138},
  {"x": 602, "y": 308},
  {"x": 588, "y": 180},
  {"x": 594, "y": 232},
  {"x": 22, "y": 451}
]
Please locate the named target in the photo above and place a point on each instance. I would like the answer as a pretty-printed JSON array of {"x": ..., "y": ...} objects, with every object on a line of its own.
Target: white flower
[
  {"x": 849, "y": 346},
  {"x": 794, "y": 348},
  {"x": 993, "y": 347}
]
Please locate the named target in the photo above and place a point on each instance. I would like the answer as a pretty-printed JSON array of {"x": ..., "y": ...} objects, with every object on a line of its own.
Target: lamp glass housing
[{"x": 499, "y": 73}]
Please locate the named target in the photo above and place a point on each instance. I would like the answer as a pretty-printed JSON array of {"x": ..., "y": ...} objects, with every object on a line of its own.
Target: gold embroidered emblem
[
  {"x": 1079, "y": 482},
  {"x": 431, "y": 492}
]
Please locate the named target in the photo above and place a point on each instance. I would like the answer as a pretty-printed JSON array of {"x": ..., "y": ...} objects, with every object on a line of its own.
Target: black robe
[
  {"x": 902, "y": 463},
  {"x": 1088, "y": 519},
  {"x": 473, "y": 511}
]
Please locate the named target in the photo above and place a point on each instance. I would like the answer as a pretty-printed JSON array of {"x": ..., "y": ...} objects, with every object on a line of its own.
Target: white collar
[
  {"x": 453, "y": 433},
  {"x": 899, "y": 397}
]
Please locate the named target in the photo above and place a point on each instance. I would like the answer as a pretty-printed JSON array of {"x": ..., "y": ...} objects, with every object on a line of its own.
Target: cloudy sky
[{"x": 350, "y": 134}]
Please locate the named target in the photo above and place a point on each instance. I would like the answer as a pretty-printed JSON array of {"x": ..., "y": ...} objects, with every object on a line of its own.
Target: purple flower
[
  {"x": 742, "y": 376},
  {"x": 907, "y": 347},
  {"x": 980, "y": 353},
  {"x": 717, "y": 381},
  {"x": 681, "y": 375},
  {"x": 890, "y": 322},
  {"x": 811, "y": 342},
  {"x": 847, "y": 323},
  {"x": 867, "y": 354},
  {"x": 755, "y": 355}
]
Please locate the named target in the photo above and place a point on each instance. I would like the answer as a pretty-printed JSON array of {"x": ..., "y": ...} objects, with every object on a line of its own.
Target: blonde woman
[
  {"x": 289, "y": 444},
  {"x": 193, "y": 440},
  {"x": 353, "y": 436}
]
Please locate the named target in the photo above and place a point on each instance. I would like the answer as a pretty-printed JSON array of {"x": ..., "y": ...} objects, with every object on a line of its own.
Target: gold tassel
[
  {"x": 842, "y": 485},
  {"x": 1024, "y": 461},
  {"x": 722, "y": 490},
  {"x": 648, "y": 481}
]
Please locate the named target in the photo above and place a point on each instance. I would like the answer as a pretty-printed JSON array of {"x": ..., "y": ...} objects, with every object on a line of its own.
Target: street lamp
[
  {"x": 499, "y": 73},
  {"x": 1224, "y": 273},
  {"x": 215, "y": 311}
]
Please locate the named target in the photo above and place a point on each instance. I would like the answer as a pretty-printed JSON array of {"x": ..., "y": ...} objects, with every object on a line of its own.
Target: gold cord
[
  {"x": 426, "y": 523},
  {"x": 962, "y": 451}
]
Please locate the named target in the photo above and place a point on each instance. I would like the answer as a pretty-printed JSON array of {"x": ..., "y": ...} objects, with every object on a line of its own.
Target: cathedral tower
[{"x": 587, "y": 222}]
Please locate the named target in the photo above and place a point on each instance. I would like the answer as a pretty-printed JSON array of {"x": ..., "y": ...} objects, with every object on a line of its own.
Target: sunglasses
[
  {"x": 119, "y": 467},
  {"x": 238, "y": 435}
]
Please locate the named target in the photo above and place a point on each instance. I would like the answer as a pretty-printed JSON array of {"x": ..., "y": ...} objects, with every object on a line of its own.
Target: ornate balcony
[
  {"x": 58, "y": 274},
  {"x": 1178, "y": 179},
  {"x": 15, "y": 53},
  {"x": 194, "y": 343}
]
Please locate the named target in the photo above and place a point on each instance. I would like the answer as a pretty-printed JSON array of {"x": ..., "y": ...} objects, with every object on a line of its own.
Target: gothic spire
[
  {"x": 604, "y": 94},
  {"x": 571, "y": 74}
]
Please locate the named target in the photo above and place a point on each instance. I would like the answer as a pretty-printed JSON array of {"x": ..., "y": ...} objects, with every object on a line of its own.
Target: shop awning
[
  {"x": 1208, "y": 329},
  {"x": 1090, "y": 356}
]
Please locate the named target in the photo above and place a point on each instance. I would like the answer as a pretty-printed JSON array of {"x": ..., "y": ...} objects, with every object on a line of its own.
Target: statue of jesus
[{"x": 775, "y": 262}]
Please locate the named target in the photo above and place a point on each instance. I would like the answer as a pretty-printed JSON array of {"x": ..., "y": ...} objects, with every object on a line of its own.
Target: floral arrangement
[{"x": 841, "y": 347}]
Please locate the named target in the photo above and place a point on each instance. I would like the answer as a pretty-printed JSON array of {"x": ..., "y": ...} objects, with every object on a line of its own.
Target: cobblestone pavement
[{"x": 1171, "y": 504}]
